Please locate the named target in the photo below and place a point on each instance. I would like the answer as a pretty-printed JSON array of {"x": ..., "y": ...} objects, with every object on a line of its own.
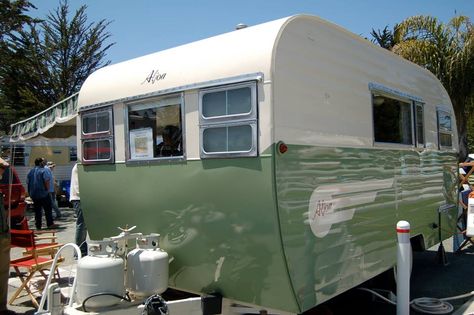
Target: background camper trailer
[
  {"x": 50, "y": 134},
  {"x": 274, "y": 160}
]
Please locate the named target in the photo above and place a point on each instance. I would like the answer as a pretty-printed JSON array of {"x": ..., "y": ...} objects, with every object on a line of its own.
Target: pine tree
[{"x": 52, "y": 59}]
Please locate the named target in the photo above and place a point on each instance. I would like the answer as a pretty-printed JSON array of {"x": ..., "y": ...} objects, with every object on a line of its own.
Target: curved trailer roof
[
  {"x": 183, "y": 67},
  {"x": 285, "y": 53}
]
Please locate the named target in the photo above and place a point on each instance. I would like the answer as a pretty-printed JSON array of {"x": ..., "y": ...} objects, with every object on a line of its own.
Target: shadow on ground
[{"x": 429, "y": 278}]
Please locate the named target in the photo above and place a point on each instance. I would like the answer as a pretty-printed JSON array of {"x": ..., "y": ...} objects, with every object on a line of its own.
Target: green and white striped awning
[{"x": 61, "y": 113}]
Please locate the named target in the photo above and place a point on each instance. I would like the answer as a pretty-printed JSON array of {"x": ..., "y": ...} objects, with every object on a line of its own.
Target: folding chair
[
  {"x": 43, "y": 240},
  {"x": 33, "y": 262}
]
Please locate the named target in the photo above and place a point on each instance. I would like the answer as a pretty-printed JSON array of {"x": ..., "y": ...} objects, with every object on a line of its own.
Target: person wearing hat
[
  {"x": 38, "y": 181},
  {"x": 52, "y": 189},
  {"x": 4, "y": 250}
]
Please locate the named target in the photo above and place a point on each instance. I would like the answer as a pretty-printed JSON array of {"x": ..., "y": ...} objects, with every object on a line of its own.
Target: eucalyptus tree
[{"x": 447, "y": 50}]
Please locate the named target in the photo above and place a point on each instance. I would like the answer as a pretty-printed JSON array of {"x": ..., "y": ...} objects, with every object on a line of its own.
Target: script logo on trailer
[
  {"x": 154, "y": 76},
  {"x": 326, "y": 200}
]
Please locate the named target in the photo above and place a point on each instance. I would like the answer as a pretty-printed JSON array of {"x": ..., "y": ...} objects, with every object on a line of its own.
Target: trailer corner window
[
  {"x": 155, "y": 129},
  {"x": 419, "y": 123},
  {"x": 392, "y": 120},
  {"x": 228, "y": 121},
  {"x": 97, "y": 136},
  {"x": 445, "y": 129}
]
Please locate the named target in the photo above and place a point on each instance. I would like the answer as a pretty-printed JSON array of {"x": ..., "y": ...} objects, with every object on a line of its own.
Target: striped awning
[{"x": 63, "y": 112}]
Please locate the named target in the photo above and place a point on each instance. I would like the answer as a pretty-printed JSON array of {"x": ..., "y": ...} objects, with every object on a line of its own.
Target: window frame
[
  {"x": 250, "y": 119},
  {"x": 98, "y": 161},
  {"x": 442, "y": 130},
  {"x": 17, "y": 153},
  {"x": 252, "y": 115},
  {"x": 73, "y": 153},
  {"x": 251, "y": 152},
  {"x": 416, "y": 105},
  {"x": 413, "y": 101},
  {"x": 395, "y": 97},
  {"x": 98, "y": 136},
  {"x": 143, "y": 101},
  {"x": 100, "y": 133}
]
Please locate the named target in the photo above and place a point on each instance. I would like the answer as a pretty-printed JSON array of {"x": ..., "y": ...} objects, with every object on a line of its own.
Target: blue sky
[{"x": 141, "y": 27}]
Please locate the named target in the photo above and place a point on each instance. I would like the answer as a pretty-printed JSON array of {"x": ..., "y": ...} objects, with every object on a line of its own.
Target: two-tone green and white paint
[{"x": 281, "y": 230}]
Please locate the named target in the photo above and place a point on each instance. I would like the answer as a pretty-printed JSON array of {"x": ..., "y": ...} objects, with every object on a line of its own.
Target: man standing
[
  {"x": 4, "y": 250},
  {"x": 75, "y": 199},
  {"x": 38, "y": 188}
]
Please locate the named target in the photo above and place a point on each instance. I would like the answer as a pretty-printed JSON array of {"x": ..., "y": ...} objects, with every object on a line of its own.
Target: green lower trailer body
[{"x": 284, "y": 231}]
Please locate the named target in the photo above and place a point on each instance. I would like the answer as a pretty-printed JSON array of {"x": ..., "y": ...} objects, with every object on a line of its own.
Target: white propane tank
[
  {"x": 147, "y": 267},
  {"x": 100, "y": 272}
]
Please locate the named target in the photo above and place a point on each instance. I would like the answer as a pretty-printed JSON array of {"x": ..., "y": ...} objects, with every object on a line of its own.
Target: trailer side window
[
  {"x": 228, "y": 117},
  {"x": 445, "y": 129},
  {"x": 72, "y": 154},
  {"x": 419, "y": 123},
  {"x": 97, "y": 137},
  {"x": 155, "y": 129},
  {"x": 392, "y": 120},
  {"x": 96, "y": 123},
  {"x": 18, "y": 153}
]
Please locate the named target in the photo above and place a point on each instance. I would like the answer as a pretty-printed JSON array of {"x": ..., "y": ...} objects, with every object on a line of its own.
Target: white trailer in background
[{"x": 50, "y": 134}]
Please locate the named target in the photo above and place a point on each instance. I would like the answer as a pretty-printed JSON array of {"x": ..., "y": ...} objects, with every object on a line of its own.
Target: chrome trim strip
[
  {"x": 384, "y": 89},
  {"x": 258, "y": 76}
]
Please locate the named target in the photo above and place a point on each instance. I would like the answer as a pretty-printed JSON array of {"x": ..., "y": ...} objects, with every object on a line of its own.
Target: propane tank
[
  {"x": 147, "y": 267},
  {"x": 470, "y": 215},
  {"x": 100, "y": 272}
]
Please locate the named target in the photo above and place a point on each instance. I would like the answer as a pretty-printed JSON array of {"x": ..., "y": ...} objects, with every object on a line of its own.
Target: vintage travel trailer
[{"x": 274, "y": 160}]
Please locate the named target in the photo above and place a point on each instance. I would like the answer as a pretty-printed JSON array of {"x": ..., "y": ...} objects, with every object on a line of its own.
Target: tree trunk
[{"x": 461, "y": 122}]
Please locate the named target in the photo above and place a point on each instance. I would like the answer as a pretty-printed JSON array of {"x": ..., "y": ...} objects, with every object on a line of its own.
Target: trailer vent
[{"x": 240, "y": 26}]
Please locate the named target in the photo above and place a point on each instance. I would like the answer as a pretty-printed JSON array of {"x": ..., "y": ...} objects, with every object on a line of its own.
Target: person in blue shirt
[{"x": 38, "y": 182}]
